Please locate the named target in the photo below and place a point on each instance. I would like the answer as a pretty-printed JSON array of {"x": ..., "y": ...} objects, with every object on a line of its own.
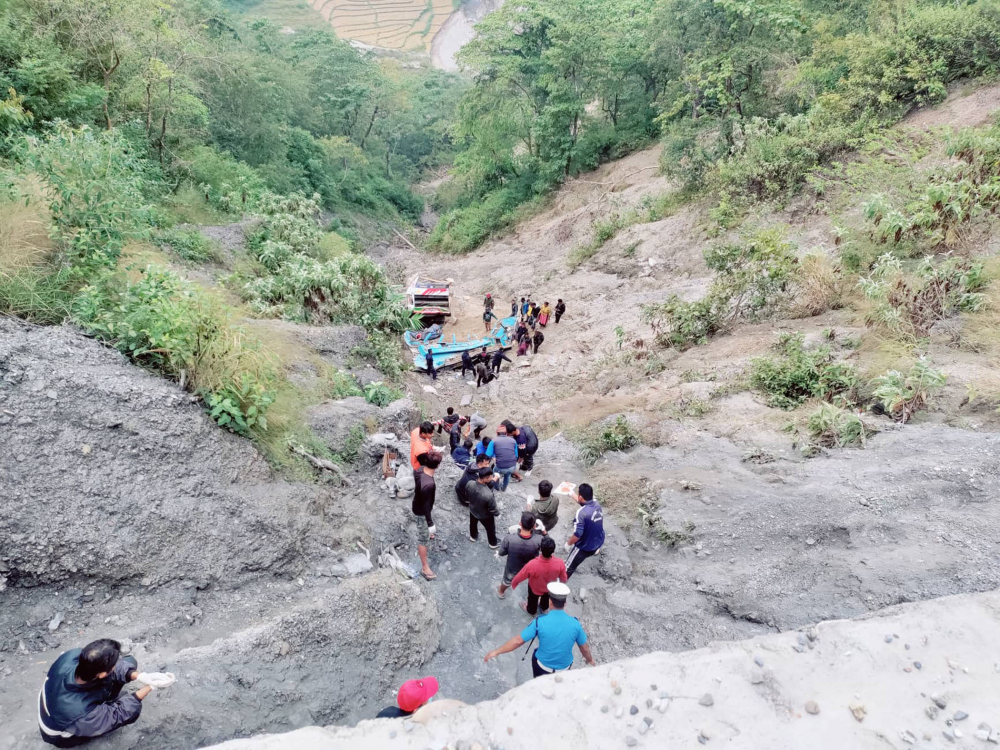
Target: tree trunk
[
  {"x": 107, "y": 93},
  {"x": 149, "y": 109},
  {"x": 371, "y": 124}
]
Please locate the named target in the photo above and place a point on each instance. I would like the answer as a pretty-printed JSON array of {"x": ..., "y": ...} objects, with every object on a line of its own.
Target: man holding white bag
[{"x": 80, "y": 698}]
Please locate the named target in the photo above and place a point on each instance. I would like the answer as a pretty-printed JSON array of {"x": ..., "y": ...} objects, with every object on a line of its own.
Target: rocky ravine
[
  {"x": 913, "y": 676},
  {"x": 210, "y": 567}
]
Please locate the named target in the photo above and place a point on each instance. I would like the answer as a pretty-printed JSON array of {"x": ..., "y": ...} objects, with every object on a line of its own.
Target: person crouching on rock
[
  {"x": 79, "y": 700},
  {"x": 412, "y": 695}
]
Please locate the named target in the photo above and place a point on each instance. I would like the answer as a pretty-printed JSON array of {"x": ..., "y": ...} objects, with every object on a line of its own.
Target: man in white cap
[{"x": 556, "y": 633}]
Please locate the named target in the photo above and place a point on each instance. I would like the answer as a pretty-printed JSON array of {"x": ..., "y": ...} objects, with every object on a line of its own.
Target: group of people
[
  {"x": 531, "y": 319},
  {"x": 81, "y": 697},
  {"x": 530, "y": 551}
]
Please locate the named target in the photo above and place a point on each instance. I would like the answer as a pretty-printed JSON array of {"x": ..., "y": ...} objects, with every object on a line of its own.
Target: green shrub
[
  {"x": 462, "y": 230},
  {"x": 41, "y": 295},
  {"x": 752, "y": 279},
  {"x": 775, "y": 157},
  {"x": 799, "y": 375},
  {"x": 342, "y": 385},
  {"x": 619, "y": 436},
  {"x": 900, "y": 395},
  {"x": 240, "y": 408},
  {"x": 188, "y": 244},
  {"x": 380, "y": 394},
  {"x": 690, "y": 151},
  {"x": 678, "y": 324},
  {"x": 908, "y": 304},
  {"x": 834, "y": 427},
  {"x": 163, "y": 323},
  {"x": 98, "y": 192},
  {"x": 383, "y": 350}
]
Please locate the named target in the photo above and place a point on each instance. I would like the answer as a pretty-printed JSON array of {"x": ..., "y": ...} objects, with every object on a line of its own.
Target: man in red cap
[{"x": 412, "y": 695}]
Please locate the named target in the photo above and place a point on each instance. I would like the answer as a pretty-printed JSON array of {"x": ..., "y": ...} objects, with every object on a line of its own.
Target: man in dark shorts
[{"x": 423, "y": 504}]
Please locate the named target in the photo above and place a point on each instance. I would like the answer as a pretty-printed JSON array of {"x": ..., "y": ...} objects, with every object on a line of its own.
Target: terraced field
[{"x": 392, "y": 24}]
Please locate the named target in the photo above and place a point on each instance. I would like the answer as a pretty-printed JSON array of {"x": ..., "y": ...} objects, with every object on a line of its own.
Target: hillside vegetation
[
  {"x": 747, "y": 95},
  {"x": 125, "y": 122}
]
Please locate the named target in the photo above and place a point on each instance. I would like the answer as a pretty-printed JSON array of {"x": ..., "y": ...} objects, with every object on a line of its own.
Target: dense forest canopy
[
  {"x": 747, "y": 95},
  {"x": 231, "y": 105}
]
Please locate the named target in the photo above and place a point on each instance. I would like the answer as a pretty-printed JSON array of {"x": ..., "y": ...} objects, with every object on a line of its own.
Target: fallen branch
[
  {"x": 619, "y": 181},
  {"x": 320, "y": 463},
  {"x": 400, "y": 235}
]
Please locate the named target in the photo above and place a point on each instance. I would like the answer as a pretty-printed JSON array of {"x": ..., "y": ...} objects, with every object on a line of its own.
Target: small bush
[
  {"x": 188, "y": 244},
  {"x": 649, "y": 516},
  {"x": 382, "y": 350},
  {"x": 616, "y": 437},
  {"x": 906, "y": 304},
  {"x": 752, "y": 279},
  {"x": 819, "y": 286},
  {"x": 380, "y": 394},
  {"x": 834, "y": 427},
  {"x": 342, "y": 385},
  {"x": 772, "y": 159},
  {"x": 801, "y": 374},
  {"x": 901, "y": 395},
  {"x": 690, "y": 152}
]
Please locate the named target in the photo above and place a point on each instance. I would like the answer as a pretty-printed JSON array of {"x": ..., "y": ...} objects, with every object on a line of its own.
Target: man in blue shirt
[
  {"x": 588, "y": 536},
  {"x": 556, "y": 632}
]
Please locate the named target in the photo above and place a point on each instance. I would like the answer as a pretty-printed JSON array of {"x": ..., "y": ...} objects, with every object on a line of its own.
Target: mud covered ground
[{"x": 268, "y": 629}]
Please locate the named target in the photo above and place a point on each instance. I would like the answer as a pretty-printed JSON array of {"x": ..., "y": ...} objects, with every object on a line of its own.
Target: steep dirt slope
[
  {"x": 577, "y": 379},
  {"x": 117, "y": 475},
  {"x": 125, "y": 513}
]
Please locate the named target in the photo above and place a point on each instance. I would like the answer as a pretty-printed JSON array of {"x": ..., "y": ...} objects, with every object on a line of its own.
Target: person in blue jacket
[
  {"x": 81, "y": 699},
  {"x": 463, "y": 453},
  {"x": 588, "y": 535}
]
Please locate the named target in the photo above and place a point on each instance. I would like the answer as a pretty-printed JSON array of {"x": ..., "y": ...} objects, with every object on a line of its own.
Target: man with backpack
[{"x": 527, "y": 446}]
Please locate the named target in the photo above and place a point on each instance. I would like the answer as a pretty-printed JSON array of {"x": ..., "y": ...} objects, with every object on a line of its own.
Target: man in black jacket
[
  {"x": 455, "y": 433},
  {"x": 483, "y": 508},
  {"x": 423, "y": 504},
  {"x": 467, "y": 363},
  {"x": 498, "y": 358},
  {"x": 80, "y": 698},
  {"x": 527, "y": 446},
  {"x": 470, "y": 476},
  {"x": 560, "y": 309}
]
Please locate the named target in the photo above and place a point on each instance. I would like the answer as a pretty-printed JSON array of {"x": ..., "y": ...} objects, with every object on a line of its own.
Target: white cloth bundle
[{"x": 157, "y": 680}]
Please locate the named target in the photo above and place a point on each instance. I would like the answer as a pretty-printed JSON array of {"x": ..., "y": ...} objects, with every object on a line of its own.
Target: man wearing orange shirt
[{"x": 420, "y": 442}]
